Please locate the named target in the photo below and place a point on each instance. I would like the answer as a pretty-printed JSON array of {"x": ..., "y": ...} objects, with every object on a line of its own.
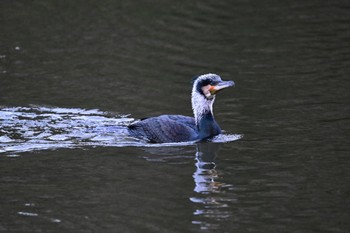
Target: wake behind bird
[{"x": 32, "y": 128}]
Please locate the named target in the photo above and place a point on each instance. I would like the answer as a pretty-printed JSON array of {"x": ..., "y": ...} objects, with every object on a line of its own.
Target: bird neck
[
  {"x": 204, "y": 117},
  {"x": 201, "y": 106}
]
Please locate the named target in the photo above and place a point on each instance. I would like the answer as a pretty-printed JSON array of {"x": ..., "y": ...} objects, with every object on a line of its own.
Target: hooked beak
[{"x": 221, "y": 85}]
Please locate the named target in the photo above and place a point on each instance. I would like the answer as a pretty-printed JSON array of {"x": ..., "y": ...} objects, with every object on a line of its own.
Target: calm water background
[{"x": 290, "y": 61}]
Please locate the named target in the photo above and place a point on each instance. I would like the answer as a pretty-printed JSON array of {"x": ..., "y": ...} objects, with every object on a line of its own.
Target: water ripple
[{"x": 40, "y": 128}]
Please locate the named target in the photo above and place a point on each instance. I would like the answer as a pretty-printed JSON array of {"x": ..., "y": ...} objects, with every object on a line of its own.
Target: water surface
[{"x": 70, "y": 70}]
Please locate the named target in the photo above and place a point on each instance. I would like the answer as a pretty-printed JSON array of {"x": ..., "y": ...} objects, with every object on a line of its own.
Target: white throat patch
[{"x": 201, "y": 105}]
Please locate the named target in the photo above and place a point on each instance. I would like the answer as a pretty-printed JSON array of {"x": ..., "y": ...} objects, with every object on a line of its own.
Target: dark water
[{"x": 68, "y": 66}]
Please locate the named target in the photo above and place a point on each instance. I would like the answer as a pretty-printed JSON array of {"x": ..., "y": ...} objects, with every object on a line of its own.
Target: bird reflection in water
[
  {"x": 205, "y": 174},
  {"x": 212, "y": 197},
  {"x": 211, "y": 208}
]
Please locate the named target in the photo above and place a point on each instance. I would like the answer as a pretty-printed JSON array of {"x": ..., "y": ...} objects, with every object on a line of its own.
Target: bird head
[{"x": 208, "y": 85}]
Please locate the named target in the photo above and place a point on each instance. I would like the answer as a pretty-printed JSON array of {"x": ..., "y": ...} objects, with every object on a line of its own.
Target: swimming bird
[{"x": 178, "y": 128}]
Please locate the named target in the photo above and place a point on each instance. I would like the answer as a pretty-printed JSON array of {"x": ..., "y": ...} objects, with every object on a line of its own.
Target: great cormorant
[{"x": 177, "y": 128}]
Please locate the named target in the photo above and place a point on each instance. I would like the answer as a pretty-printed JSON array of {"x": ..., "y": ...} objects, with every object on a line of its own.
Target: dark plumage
[
  {"x": 177, "y": 128},
  {"x": 166, "y": 128}
]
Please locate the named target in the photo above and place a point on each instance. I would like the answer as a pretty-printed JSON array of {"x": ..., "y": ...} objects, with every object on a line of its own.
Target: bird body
[
  {"x": 178, "y": 128},
  {"x": 156, "y": 129}
]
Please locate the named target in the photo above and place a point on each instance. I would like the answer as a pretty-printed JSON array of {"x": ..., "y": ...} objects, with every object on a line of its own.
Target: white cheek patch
[
  {"x": 206, "y": 91},
  {"x": 201, "y": 104}
]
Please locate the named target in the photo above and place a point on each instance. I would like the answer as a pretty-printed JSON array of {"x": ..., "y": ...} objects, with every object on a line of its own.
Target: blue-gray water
[{"x": 72, "y": 70}]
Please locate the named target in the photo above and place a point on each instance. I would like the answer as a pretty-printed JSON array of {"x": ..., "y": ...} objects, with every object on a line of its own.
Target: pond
[{"x": 73, "y": 73}]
